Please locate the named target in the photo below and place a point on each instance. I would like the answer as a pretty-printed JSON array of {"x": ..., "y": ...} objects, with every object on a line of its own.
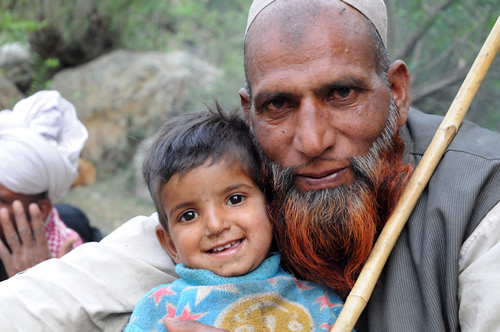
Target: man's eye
[
  {"x": 235, "y": 199},
  {"x": 344, "y": 92},
  {"x": 276, "y": 105},
  {"x": 188, "y": 216}
]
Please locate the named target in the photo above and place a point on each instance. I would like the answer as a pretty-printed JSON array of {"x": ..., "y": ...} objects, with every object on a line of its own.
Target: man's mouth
[
  {"x": 225, "y": 247},
  {"x": 306, "y": 182}
]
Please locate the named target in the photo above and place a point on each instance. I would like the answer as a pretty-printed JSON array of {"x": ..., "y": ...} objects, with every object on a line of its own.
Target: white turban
[{"x": 40, "y": 143}]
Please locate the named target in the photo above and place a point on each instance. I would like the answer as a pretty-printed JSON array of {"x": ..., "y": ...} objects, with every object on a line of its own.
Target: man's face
[
  {"x": 7, "y": 197},
  {"x": 315, "y": 102}
]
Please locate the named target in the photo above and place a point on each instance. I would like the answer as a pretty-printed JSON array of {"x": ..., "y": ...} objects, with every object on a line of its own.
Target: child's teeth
[{"x": 225, "y": 247}]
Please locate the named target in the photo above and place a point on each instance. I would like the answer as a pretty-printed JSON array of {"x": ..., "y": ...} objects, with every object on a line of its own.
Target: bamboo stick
[{"x": 363, "y": 288}]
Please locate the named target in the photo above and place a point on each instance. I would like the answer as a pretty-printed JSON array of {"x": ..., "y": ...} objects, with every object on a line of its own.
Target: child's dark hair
[{"x": 190, "y": 140}]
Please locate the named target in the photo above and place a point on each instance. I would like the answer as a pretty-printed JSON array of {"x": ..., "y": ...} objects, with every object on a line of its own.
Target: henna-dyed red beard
[{"x": 326, "y": 235}]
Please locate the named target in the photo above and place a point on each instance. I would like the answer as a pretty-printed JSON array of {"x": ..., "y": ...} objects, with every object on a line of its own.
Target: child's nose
[{"x": 216, "y": 223}]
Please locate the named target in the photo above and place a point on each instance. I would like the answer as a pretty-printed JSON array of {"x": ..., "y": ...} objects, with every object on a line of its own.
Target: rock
[
  {"x": 13, "y": 54},
  {"x": 141, "y": 189},
  {"x": 9, "y": 94},
  {"x": 124, "y": 96},
  {"x": 15, "y": 64}
]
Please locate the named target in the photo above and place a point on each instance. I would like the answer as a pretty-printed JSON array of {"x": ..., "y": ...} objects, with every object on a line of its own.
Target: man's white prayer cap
[{"x": 374, "y": 10}]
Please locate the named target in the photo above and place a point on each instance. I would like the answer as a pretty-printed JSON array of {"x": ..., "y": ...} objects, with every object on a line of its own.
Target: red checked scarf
[{"x": 57, "y": 231}]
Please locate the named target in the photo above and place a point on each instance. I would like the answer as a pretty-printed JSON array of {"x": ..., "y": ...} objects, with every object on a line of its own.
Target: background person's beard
[{"x": 326, "y": 235}]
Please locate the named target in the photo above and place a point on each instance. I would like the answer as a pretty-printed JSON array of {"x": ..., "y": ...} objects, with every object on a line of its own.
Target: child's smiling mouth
[{"x": 225, "y": 247}]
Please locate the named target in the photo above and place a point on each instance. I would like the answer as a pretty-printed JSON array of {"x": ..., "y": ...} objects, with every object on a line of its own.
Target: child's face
[{"x": 217, "y": 220}]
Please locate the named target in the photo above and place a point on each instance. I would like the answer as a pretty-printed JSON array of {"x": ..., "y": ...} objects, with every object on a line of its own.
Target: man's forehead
[
  {"x": 278, "y": 52},
  {"x": 374, "y": 10},
  {"x": 5, "y": 192},
  {"x": 9, "y": 196}
]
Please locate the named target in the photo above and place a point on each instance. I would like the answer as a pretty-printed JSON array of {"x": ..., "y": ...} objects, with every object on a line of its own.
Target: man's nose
[{"x": 313, "y": 134}]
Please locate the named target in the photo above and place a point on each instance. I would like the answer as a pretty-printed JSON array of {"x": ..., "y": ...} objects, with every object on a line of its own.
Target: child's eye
[
  {"x": 188, "y": 216},
  {"x": 235, "y": 199}
]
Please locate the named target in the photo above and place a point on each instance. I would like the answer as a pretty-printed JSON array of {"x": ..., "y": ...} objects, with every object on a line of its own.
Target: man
[
  {"x": 325, "y": 105},
  {"x": 331, "y": 112},
  {"x": 40, "y": 142}
]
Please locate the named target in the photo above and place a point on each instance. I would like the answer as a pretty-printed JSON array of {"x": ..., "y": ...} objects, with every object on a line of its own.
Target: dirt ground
[{"x": 109, "y": 203}]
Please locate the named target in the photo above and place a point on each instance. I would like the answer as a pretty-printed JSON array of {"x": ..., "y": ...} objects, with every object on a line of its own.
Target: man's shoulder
[
  {"x": 470, "y": 138},
  {"x": 467, "y": 177}
]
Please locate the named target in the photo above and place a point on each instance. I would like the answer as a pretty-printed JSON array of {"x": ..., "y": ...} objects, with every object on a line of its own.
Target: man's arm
[
  {"x": 479, "y": 274},
  {"x": 94, "y": 287}
]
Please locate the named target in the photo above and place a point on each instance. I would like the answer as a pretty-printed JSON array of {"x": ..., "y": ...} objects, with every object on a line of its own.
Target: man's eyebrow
[
  {"x": 349, "y": 81},
  {"x": 345, "y": 82}
]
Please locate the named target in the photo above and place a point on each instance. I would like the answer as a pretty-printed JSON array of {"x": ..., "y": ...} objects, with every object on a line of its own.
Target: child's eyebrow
[
  {"x": 180, "y": 206},
  {"x": 237, "y": 186}
]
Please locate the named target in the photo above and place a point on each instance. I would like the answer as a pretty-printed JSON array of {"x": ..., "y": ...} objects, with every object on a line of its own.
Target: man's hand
[
  {"x": 28, "y": 245},
  {"x": 189, "y": 326},
  {"x": 67, "y": 246}
]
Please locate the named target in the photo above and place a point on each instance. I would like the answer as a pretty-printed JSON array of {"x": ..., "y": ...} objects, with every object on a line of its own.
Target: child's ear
[{"x": 167, "y": 243}]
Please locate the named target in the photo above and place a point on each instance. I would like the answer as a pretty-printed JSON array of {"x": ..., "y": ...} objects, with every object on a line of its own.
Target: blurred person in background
[{"x": 40, "y": 143}]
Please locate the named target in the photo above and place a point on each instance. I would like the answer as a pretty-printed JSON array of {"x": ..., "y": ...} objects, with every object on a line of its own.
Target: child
[{"x": 208, "y": 187}]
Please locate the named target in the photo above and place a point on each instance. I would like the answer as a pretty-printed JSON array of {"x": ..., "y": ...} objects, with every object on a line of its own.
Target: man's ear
[
  {"x": 399, "y": 83},
  {"x": 167, "y": 243},
  {"x": 45, "y": 206},
  {"x": 246, "y": 103}
]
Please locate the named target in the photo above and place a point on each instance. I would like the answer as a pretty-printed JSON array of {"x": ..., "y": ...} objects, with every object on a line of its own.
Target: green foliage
[
  {"x": 43, "y": 70},
  {"x": 13, "y": 29},
  {"x": 212, "y": 30},
  {"x": 452, "y": 33},
  {"x": 51, "y": 63}
]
